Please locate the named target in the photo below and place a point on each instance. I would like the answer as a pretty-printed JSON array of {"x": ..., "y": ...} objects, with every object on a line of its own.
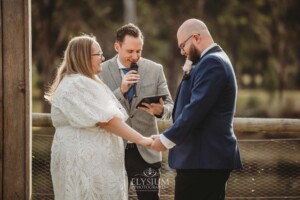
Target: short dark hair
[{"x": 128, "y": 29}]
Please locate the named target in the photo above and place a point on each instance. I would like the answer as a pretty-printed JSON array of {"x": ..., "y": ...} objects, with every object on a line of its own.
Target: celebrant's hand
[{"x": 154, "y": 108}]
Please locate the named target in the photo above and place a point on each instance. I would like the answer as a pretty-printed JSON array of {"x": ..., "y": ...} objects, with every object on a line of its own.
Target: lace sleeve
[{"x": 84, "y": 102}]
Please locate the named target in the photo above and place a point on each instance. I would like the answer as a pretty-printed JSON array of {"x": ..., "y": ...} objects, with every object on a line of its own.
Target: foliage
[{"x": 260, "y": 36}]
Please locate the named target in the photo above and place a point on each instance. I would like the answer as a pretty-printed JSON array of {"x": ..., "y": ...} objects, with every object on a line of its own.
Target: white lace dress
[{"x": 87, "y": 162}]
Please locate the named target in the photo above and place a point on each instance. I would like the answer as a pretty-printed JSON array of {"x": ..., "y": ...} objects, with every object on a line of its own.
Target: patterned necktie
[{"x": 130, "y": 91}]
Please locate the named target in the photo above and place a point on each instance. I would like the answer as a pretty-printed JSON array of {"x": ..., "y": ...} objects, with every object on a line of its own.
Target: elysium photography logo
[
  {"x": 150, "y": 172},
  {"x": 149, "y": 180}
]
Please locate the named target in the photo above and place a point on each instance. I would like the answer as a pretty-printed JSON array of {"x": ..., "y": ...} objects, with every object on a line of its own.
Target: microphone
[{"x": 135, "y": 67}]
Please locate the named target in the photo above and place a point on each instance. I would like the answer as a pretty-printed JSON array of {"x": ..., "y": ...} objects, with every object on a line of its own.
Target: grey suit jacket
[{"x": 152, "y": 82}]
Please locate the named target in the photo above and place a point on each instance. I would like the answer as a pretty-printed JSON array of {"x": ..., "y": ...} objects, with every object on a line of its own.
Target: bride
[{"x": 87, "y": 156}]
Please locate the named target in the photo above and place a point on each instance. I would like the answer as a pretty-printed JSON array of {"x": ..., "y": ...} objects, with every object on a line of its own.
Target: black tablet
[{"x": 151, "y": 99}]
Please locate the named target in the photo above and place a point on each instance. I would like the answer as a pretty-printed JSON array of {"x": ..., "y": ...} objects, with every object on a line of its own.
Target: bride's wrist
[{"x": 143, "y": 141}]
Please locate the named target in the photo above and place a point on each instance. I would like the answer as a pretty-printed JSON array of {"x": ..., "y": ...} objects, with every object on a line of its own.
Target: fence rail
[{"x": 241, "y": 125}]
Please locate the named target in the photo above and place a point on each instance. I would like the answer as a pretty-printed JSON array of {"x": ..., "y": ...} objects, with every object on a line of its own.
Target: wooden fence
[
  {"x": 269, "y": 149},
  {"x": 241, "y": 125}
]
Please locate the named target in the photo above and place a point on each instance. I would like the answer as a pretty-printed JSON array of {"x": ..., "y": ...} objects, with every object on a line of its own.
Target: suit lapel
[
  {"x": 176, "y": 98},
  {"x": 212, "y": 50},
  {"x": 117, "y": 78},
  {"x": 115, "y": 72}
]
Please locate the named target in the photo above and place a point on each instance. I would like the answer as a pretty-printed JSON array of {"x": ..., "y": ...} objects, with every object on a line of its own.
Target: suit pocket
[
  {"x": 147, "y": 84},
  {"x": 149, "y": 89}
]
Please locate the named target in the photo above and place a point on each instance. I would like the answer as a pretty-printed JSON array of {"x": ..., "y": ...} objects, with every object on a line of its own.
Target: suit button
[{"x": 131, "y": 116}]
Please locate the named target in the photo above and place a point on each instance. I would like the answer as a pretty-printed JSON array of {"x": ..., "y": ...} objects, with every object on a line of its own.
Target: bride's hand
[{"x": 146, "y": 141}]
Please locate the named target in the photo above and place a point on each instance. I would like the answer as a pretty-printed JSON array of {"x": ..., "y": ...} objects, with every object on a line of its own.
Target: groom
[{"x": 203, "y": 147}]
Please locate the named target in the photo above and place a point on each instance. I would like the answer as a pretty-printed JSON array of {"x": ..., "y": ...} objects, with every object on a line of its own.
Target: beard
[{"x": 194, "y": 55}]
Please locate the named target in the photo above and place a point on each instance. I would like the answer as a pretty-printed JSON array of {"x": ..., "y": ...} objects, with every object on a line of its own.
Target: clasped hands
[{"x": 153, "y": 142}]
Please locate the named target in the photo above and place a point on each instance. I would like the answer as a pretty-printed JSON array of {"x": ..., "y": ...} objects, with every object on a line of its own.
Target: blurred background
[{"x": 260, "y": 36}]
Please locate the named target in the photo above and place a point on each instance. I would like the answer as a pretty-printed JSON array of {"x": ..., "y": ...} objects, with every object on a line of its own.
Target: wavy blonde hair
[{"x": 76, "y": 60}]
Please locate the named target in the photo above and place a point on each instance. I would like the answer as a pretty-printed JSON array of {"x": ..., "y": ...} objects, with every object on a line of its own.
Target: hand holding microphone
[
  {"x": 130, "y": 78},
  {"x": 134, "y": 66}
]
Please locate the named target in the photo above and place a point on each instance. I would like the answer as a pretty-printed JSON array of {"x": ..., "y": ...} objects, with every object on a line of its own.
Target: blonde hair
[{"x": 77, "y": 60}]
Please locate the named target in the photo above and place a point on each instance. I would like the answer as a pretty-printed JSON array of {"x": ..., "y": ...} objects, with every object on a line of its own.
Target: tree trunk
[{"x": 130, "y": 15}]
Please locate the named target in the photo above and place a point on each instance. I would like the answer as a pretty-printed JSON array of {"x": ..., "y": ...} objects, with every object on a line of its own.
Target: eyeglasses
[
  {"x": 98, "y": 54},
  {"x": 182, "y": 45}
]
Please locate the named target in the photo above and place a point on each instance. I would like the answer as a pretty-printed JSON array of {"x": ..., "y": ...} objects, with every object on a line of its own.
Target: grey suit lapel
[
  {"x": 115, "y": 72},
  {"x": 116, "y": 77}
]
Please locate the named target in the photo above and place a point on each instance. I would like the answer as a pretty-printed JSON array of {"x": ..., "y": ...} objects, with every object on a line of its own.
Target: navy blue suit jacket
[{"x": 203, "y": 116}]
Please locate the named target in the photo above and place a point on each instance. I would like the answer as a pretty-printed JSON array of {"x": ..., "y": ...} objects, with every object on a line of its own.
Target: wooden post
[
  {"x": 1, "y": 106},
  {"x": 15, "y": 99}
]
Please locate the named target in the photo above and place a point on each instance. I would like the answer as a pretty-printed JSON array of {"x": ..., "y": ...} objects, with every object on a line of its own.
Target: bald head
[{"x": 194, "y": 27}]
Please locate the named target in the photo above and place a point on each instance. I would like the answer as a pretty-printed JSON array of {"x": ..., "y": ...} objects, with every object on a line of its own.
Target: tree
[
  {"x": 130, "y": 11},
  {"x": 55, "y": 22},
  {"x": 255, "y": 34}
]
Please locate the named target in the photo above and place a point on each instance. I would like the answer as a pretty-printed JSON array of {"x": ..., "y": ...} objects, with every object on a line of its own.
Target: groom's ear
[{"x": 117, "y": 46}]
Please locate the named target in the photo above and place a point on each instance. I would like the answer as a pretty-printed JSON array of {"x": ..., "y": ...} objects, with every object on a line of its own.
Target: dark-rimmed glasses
[{"x": 182, "y": 45}]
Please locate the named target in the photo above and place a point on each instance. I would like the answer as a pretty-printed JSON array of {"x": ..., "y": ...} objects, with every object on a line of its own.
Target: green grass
[
  {"x": 259, "y": 103},
  {"x": 250, "y": 103}
]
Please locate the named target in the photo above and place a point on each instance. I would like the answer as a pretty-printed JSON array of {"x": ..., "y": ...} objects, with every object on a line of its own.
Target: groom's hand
[{"x": 156, "y": 144}]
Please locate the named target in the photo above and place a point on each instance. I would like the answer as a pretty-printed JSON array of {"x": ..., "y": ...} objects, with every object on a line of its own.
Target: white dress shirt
[{"x": 121, "y": 66}]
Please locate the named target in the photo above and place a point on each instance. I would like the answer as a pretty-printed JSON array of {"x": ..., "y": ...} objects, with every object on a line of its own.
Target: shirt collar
[
  {"x": 120, "y": 65},
  {"x": 208, "y": 48}
]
